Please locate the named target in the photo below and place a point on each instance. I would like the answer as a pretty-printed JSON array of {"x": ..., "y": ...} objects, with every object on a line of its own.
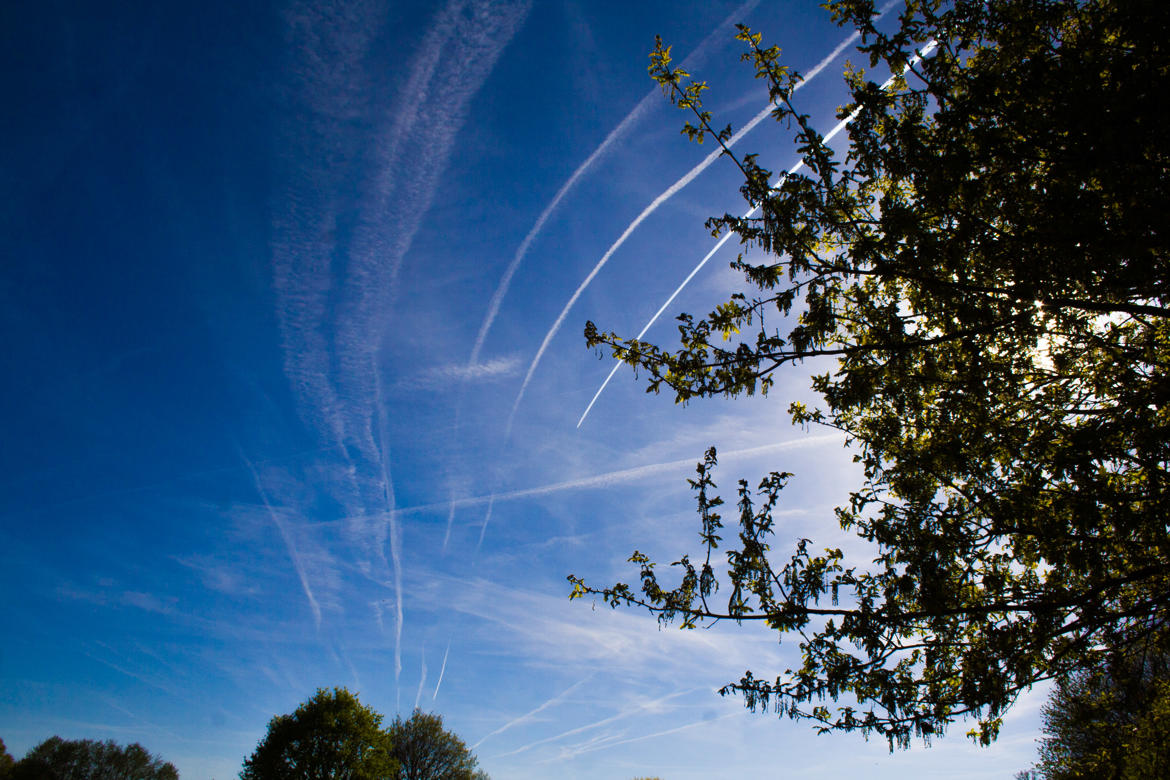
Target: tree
[
  {"x": 1110, "y": 723},
  {"x": 88, "y": 759},
  {"x": 331, "y": 736},
  {"x": 6, "y": 762},
  {"x": 982, "y": 281},
  {"x": 425, "y": 751}
]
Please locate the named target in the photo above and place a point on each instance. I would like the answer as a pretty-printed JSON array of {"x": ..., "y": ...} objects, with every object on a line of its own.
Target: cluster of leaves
[
  {"x": 86, "y": 759},
  {"x": 988, "y": 267},
  {"x": 335, "y": 736}
]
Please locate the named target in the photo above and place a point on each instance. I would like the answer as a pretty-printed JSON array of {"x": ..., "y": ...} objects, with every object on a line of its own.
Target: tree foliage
[
  {"x": 332, "y": 736},
  {"x": 426, "y": 751},
  {"x": 88, "y": 759},
  {"x": 1110, "y": 723},
  {"x": 984, "y": 275}
]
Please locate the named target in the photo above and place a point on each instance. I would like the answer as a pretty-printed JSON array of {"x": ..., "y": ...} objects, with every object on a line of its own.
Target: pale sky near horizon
[{"x": 292, "y": 297}]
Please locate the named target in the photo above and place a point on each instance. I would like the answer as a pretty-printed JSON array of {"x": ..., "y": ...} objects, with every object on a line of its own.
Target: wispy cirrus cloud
[
  {"x": 638, "y": 708},
  {"x": 628, "y": 475},
  {"x": 345, "y": 226},
  {"x": 422, "y": 676},
  {"x": 289, "y": 543},
  {"x": 533, "y": 712},
  {"x": 448, "y": 374},
  {"x": 612, "y": 741}
]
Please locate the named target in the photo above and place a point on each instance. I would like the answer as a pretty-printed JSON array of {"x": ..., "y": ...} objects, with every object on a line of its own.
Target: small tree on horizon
[
  {"x": 332, "y": 735},
  {"x": 426, "y": 751},
  {"x": 87, "y": 759}
]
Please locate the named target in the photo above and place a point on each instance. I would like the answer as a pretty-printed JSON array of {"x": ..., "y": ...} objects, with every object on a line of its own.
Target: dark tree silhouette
[
  {"x": 426, "y": 751},
  {"x": 87, "y": 759}
]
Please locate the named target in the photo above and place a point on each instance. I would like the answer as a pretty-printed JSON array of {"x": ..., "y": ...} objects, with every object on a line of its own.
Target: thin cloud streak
[
  {"x": 450, "y": 521},
  {"x": 335, "y": 372},
  {"x": 719, "y": 244},
  {"x": 442, "y": 671},
  {"x": 395, "y": 536},
  {"x": 531, "y": 713},
  {"x": 617, "y": 132},
  {"x": 422, "y": 678},
  {"x": 666, "y": 195},
  {"x": 598, "y": 724},
  {"x": 427, "y": 119},
  {"x": 487, "y": 518},
  {"x": 505, "y": 282},
  {"x": 621, "y": 475},
  {"x": 288, "y": 543},
  {"x": 602, "y": 744}
]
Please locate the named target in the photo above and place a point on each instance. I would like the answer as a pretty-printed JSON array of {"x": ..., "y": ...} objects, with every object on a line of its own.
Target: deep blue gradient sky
[{"x": 274, "y": 282}]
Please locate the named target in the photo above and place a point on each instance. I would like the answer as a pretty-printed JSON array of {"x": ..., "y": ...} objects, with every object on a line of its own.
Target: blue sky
[{"x": 286, "y": 403}]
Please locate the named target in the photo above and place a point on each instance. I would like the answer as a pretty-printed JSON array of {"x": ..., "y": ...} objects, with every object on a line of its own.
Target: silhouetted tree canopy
[
  {"x": 332, "y": 736},
  {"x": 426, "y": 751},
  {"x": 87, "y": 759},
  {"x": 6, "y": 761},
  {"x": 983, "y": 280}
]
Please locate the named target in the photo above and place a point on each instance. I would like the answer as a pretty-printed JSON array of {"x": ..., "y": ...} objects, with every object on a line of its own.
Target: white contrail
[
  {"x": 634, "y": 474},
  {"x": 442, "y": 671},
  {"x": 505, "y": 282},
  {"x": 617, "y": 363},
  {"x": 395, "y": 532},
  {"x": 487, "y": 518},
  {"x": 526, "y": 716},
  {"x": 422, "y": 679},
  {"x": 582, "y": 169},
  {"x": 602, "y": 744},
  {"x": 450, "y": 520},
  {"x": 598, "y": 724},
  {"x": 719, "y": 244},
  {"x": 288, "y": 541},
  {"x": 666, "y": 195}
]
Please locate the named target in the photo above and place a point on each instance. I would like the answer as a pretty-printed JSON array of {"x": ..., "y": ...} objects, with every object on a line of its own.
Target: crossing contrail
[
  {"x": 666, "y": 195},
  {"x": 719, "y": 244}
]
